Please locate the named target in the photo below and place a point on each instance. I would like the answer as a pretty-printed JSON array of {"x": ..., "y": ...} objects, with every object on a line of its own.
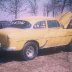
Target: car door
[
  {"x": 40, "y": 32},
  {"x": 56, "y": 35}
]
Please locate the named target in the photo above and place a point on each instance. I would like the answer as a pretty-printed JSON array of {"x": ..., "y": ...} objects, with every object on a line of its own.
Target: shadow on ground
[{"x": 13, "y": 56}]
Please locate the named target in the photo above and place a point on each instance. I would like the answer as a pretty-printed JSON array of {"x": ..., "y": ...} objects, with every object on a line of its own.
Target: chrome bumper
[{"x": 7, "y": 49}]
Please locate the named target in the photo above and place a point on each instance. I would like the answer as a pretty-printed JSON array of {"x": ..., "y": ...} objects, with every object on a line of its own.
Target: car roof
[
  {"x": 4, "y": 21},
  {"x": 35, "y": 18}
]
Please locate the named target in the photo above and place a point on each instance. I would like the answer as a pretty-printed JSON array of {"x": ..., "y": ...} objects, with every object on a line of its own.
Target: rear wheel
[
  {"x": 70, "y": 46},
  {"x": 29, "y": 51}
]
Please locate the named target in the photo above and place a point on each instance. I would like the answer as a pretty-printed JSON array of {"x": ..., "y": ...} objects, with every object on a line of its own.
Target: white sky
[{"x": 6, "y": 16}]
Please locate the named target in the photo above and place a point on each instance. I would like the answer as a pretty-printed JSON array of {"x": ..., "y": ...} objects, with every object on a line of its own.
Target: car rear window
[
  {"x": 4, "y": 24},
  {"x": 20, "y": 24}
]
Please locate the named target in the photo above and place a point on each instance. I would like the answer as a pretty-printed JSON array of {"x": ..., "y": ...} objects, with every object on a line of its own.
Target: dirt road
[{"x": 48, "y": 60}]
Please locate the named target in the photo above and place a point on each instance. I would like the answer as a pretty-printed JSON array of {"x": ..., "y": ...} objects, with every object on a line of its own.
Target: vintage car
[{"x": 43, "y": 33}]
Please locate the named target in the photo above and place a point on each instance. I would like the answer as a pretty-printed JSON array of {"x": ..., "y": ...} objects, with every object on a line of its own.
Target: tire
[
  {"x": 29, "y": 51},
  {"x": 70, "y": 46}
]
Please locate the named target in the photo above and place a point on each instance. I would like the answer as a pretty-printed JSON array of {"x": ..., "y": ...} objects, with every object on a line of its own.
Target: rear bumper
[{"x": 7, "y": 49}]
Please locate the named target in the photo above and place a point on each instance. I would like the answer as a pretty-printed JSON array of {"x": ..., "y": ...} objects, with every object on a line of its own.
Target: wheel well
[{"x": 34, "y": 42}]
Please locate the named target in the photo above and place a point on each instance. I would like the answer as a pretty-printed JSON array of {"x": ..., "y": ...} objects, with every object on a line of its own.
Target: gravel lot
[{"x": 48, "y": 60}]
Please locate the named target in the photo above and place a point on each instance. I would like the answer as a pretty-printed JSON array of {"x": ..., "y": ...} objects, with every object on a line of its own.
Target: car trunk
[
  {"x": 4, "y": 35},
  {"x": 4, "y": 40}
]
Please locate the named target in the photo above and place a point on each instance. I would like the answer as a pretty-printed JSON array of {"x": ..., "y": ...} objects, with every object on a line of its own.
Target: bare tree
[
  {"x": 33, "y": 6},
  {"x": 2, "y": 4},
  {"x": 64, "y": 2},
  {"x": 46, "y": 9},
  {"x": 53, "y": 6},
  {"x": 60, "y": 5},
  {"x": 68, "y": 4},
  {"x": 15, "y": 6},
  {"x": 56, "y": 6},
  {"x": 12, "y": 6}
]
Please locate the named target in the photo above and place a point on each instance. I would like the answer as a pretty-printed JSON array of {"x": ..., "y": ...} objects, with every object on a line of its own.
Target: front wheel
[{"x": 29, "y": 51}]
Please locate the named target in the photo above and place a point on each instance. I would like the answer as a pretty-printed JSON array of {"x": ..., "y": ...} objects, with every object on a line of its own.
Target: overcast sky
[{"x": 6, "y": 16}]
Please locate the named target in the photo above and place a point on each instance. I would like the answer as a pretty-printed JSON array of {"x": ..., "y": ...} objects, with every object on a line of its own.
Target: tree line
[{"x": 14, "y": 7}]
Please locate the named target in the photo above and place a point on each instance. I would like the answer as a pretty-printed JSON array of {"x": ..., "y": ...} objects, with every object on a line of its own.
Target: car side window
[
  {"x": 53, "y": 23},
  {"x": 70, "y": 25},
  {"x": 40, "y": 24}
]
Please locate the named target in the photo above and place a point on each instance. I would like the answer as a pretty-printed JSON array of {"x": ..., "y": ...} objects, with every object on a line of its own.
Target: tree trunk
[
  {"x": 16, "y": 3},
  {"x": 15, "y": 14},
  {"x": 64, "y": 2},
  {"x": 70, "y": 4}
]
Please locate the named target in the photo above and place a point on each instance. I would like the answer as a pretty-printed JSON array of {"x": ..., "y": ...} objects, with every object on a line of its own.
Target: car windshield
[{"x": 20, "y": 24}]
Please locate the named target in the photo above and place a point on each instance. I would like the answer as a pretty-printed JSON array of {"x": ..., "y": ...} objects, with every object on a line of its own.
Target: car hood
[{"x": 64, "y": 18}]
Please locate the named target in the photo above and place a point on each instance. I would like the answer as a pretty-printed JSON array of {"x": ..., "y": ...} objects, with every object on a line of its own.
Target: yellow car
[{"x": 41, "y": 32}]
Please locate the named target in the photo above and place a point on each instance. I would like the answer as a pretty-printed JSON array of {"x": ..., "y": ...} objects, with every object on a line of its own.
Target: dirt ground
[{"x": 48, "y": 60}]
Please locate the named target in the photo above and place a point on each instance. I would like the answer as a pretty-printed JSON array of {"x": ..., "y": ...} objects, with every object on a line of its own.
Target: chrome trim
[{"x": 8, "y": 49}]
